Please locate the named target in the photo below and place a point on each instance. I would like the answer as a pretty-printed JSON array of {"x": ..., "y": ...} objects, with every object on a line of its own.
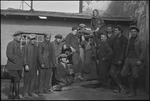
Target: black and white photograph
[{"x": 74, "y": 50}]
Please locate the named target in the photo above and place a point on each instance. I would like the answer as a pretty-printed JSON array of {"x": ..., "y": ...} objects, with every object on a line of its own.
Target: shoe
[
  {"x": 11, "y": 96},
  {"x": 33, "y": 95},
  {"x": 132, "y": 94},
  {"x": 17, "y": 97},
  {"x": 25, "y": 95},
  {"x": 116, "y": 90},
  {"x": 123, "y": 91},
  {"x": 47, "y": 92},
  {"x": 41, "y": 94}
]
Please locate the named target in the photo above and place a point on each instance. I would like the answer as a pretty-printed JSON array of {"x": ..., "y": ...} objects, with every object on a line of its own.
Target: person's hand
[
  {"x": 138, "y": 62},
  {"x": 119, "y": 62},
  {"x": 73, "y": 50},
  {"x": 42, "y": 66},
  {"x": 97, "y": 30},
  {"x": 103, "y": 59},
  {"x": 26, "y": 68},
  {"x": 97, "y": 61}
]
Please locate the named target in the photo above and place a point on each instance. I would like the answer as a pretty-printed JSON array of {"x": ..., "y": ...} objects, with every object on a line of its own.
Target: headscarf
[{"x": 96, "y": 15}]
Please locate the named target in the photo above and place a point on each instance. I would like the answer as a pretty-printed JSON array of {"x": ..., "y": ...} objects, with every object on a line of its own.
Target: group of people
[{"x": 53, "y": 65}]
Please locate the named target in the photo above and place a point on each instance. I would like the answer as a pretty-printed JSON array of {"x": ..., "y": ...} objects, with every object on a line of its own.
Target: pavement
[{"x": 87, "y": 90}]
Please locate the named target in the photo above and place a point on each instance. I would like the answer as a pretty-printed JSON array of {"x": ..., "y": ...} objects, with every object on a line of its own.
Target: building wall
[{"x": 9, "y": 26}]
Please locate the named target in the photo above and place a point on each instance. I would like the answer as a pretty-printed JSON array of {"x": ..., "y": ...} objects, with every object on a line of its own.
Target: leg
[
  {"x": 135, "y": 76},
  {"x": 11, "y": 89},
  {"x": 48, "y": 79},
  {"x": 41, "y": 80}
]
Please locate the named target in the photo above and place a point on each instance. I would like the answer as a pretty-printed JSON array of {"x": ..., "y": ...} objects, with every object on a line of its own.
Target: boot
[
  {"x": 133, "y": 93},
  {"x": 11, "y": 90},
  {"x": 17, "y": 91}
]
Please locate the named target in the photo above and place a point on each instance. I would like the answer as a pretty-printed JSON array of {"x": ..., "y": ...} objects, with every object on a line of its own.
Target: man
[
  {"x": 47, "y": 62},
  {"x": 14, "y": 64},
  {"x": 57, "y": 45},
  {"x": 104, "y": 52},
  {"x": 135, "y": 54},
  {"x": 73, "y": 43},
  {"x": 119, "y": 47},
  {"x": 30, "y": 70}
]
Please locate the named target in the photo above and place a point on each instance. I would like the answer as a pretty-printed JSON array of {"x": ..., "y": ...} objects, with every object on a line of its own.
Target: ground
[{"x": 80, "y": 91}]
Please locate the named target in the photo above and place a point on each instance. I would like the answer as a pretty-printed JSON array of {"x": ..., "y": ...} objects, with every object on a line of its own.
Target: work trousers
[
  {"x": 30, "y": 81},
  {"x": 115, "y": 71},
  {"x": 103, "y": 71},
  {"x": 131, "y": 68},
  {"x": 77, "y": 62},
  {"x": 45, "y": 79}
]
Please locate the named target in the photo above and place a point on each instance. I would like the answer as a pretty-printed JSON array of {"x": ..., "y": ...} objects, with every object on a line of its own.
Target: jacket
[
  {"x": 72, "y": 40},
  {"x": 14, "y": 55},
  {"x": 30, "y": 56},
  {"x": 140, "y": 48},
  {"x": 104, "y": 51},
  {"x": 119, "y": 49},
  {"x": 46, "y": 55},
  {"x": 57, "y": 49}
]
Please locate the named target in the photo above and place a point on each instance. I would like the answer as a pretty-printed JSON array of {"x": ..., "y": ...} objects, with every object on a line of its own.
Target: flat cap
[
  {"x": 58, "y": 36},
  {"x": 17, "y": 33},
  {"x": 82, "y": 25},
  {"x": 134, "y": 27}
]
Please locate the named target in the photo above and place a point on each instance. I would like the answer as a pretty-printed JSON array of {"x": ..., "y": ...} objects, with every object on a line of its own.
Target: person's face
[
  {"x": 117, "y": 31},
  {"x": 47, "y": 38},
  {"x": 17, "y": 38},
  {"x": 103, "y": 37},
  {"x": 74, "y": 32},
  {"x": 32, "y": 41},
  {"x": 109, "y": 29},
  {"x": 58, "y": 40},
  {"x": 95, "y": 13},
  {"x": 134, "y": 32}
]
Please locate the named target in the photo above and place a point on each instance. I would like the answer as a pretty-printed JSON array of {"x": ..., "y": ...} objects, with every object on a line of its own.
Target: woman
[{"x": 96, "y": 24}]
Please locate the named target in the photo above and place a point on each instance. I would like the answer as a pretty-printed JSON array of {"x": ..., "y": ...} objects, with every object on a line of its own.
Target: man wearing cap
[
  {"x": 135, "y": 54},
  {"x": 47, "y": 62},
  {"x": 14, "y": 64},
  {"x": 118, "y": 56},
  {"x": 57, "y": 45},
  {"x": 73, "y": 43},
  {"x": 30, "y": 69}
]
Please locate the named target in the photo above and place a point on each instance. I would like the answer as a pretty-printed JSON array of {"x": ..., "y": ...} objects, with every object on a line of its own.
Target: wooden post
[{"x": 80, "y": 6}]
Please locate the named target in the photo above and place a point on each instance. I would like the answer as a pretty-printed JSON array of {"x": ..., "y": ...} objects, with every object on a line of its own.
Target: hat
[
  {"x": 17, "y": 33},
  {"x": 32, "y": 36},
  {"x": 134, "y": 27},
  {"x": 82, "y": 25},
  {"x": 58, "y": 36}
]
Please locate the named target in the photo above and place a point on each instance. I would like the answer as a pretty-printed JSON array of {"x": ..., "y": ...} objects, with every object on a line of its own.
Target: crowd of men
[{"x": 53, "y": 65}]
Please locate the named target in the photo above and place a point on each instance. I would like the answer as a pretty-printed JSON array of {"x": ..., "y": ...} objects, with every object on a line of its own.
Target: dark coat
[
  {"x": 30, "y": 56},
  {"x": 97, "y": 22},
  {"x": 104, "y": 51},
  {"x": 72, "y": 40},
  {"x": 61, "y": 72},
  {"x": 47, "y": 55},
  {"x": 140, "y": 48},
  {"x": 119, "y": 49},
  {"x": 14, "y": 55},
  {"x": 110, "y": 39}
]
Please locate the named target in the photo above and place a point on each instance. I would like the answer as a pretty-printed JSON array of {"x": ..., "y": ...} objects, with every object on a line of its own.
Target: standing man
[
  {"x": 57, "y": 45},
  {"x": 30, "y": 70},
  {"x": 14, "y": 64},
  {"x": 104, "y": 52},
  {"x": 135, "y": 54},
  {"x": 73, "y": 43},
  {"x": 119, "y": 47},
  {"x": 47, "y": 62}
]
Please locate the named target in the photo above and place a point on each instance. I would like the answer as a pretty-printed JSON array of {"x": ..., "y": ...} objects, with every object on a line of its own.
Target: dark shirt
[{"x": 132, "y": 52}]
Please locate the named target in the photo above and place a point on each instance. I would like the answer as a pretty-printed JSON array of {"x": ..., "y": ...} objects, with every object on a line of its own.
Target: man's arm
[
  {"x": 9, "y": 52},
  {"x": 143, "y": 50},
  {"x": 41, "y": 60},
  {"x": 109, "y": 50}
]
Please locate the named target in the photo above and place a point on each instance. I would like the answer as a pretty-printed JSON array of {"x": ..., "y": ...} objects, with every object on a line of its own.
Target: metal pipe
[{"x": 80, "y": 6}]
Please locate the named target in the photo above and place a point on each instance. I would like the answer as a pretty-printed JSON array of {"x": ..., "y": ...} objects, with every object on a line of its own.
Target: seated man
[{"x": 64, "y": 72}]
